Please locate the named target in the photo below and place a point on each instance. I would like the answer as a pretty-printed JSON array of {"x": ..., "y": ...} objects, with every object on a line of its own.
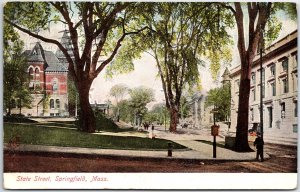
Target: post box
[{"x": 215, "y": 130}]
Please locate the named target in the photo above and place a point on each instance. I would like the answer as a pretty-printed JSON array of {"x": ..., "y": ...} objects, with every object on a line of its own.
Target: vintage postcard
[{"x": 150, "y": 95}]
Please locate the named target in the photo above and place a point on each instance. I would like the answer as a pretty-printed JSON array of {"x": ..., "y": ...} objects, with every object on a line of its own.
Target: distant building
[
  {"x": 280, "y": 82},
  {"x": 104, "y": 108},
  {"x": 199, "y": 115},
  {"x": 48, "y": 84}
]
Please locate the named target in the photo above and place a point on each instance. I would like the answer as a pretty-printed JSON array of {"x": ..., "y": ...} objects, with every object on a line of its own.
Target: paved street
[{"x": 283, "y": 159}]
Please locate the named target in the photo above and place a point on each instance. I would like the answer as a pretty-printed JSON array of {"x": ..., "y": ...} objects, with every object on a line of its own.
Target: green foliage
[
  {"x": 126, "y": 111},
  {"x": 105, "y": 124},
  {"x": 33, "y": 15},
  {"x": 272, "y": 30},
  {"x": 139, "y": 98},
  {"x": 220, "y": 98},
  {"x": 123, "y": 63},
  {"x": 46, "y": 100},
  {"x": 158, "y": 114},
  {"x": 15, "y": 79}
]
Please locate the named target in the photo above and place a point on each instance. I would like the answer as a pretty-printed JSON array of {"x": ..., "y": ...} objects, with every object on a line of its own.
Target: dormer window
[{"x": 34, "y": 52}]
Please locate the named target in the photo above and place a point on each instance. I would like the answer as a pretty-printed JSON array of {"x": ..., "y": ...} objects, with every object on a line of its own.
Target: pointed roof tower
[
  {"x": 37, "y": 53},
  {"x": 66, "y": 43}
]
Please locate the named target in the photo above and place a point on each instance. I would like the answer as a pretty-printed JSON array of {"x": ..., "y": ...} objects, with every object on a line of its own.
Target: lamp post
[
  {"x": 214, "y": 132},
  {"x": 261, "y": 43}
]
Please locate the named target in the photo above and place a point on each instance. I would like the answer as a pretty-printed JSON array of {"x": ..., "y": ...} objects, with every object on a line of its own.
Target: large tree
[
  {"x": 15, "y": 79},
  {"x": 183, "y": 34},
  {"x": 261, "y": 17},
  {"x": 139, "y": 98},
  {"x": 118, "y": 91},
  {"x": 96, "y": 29}
]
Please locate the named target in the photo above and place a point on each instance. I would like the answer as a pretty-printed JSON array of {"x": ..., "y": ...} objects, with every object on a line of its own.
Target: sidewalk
[{"x": 196, "y": 150}]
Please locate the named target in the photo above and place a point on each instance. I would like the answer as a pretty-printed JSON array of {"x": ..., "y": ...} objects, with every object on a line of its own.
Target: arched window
[
  {"x": 57, "y": 103},
  {"x": 51, "y": 103},
  {"x": 37, "y": 74},
  {"x": 31, "y": 74}
]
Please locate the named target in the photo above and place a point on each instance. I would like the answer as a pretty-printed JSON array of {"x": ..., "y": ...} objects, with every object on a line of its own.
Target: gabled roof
[{"x": 51, "y": 62}]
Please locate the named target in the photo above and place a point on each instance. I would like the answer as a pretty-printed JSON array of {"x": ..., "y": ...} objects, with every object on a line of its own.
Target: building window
[
  {"x": 51, "y": 103},
  {"x": 296, "y": 109},
  {"x": 52, "y": 114},
  {"x": 285, "y": 85},
  {"x": 31, "y": 74},
  {"x": 57, "y": 103},
  {"x": 273, "y": 87},
  {"x": 282, "y": 105},
  {"x": 55, "y": 85},
  {"x": 252, "y": 114},
  {"x": 37, "y": 74},
  {"x": 253, "y": 94},
  {"x": 270, "y": 110},
  {"x": 253, "y": 79},
  {"x": 285, "y": 64},
  {"x": 295, "y": 128},
  {"x": 273, "y": 70}
]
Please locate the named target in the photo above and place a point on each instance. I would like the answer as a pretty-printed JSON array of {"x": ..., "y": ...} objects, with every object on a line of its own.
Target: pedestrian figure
[
  {"x": 151, "y": 133},
  {"x": 259, "y": 147}
]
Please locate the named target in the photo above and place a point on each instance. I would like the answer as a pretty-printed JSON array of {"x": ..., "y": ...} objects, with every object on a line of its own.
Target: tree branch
[
  {"x": 118, "y": 45},
  {"x": 47, "y": 40}
]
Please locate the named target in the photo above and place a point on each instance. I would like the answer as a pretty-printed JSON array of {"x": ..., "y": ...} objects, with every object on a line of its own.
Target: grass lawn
[{"x": 31, "y": 134}]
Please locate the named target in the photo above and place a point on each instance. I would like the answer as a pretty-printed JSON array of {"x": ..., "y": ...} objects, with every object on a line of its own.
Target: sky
[{"x": 145, "y": 71}]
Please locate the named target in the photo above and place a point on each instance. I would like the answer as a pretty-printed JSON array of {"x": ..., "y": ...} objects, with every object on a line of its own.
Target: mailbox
[{"x": 215, "y": 130}]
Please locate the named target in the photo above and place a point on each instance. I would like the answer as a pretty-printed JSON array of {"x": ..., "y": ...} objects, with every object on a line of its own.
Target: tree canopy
[
  {"x": 220, "y": 99},
  {"x": 15, "y": 79}
]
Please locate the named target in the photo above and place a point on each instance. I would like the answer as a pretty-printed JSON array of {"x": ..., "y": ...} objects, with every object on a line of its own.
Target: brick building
[
  {"x": 280, "y": 82},
  {"x": 48, "y": 84}
]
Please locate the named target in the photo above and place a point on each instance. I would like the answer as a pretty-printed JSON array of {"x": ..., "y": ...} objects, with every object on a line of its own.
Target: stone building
[
  {"x": 280, "y": 82},
  {"x": 47, "y": 83},
  {"x": 199, "y": 115}
]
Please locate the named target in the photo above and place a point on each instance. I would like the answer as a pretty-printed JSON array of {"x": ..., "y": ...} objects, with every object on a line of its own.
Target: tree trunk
[
  {"x": 241, "y": 141},
  {"x": 86, "y": 116},
  {"x": 174, "y": 118}
]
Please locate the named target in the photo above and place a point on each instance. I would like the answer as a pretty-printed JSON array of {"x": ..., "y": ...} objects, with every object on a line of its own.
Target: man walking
[{"x": 259, "y": 143}]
